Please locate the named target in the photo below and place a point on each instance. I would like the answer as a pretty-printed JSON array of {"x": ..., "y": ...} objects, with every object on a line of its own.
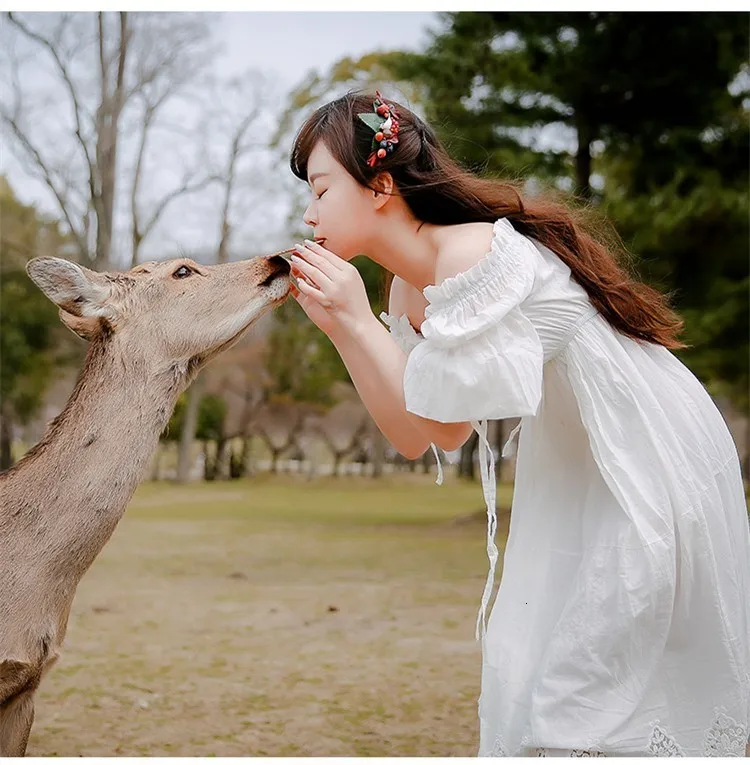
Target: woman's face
[{"x": 341, "y": 212}]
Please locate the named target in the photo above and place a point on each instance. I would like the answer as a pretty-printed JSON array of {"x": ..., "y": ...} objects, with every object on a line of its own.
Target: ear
[
  {"x": 383, "y": 188},
  {"x": 86, "y": 327},
  {"x": 75, "y": 289}
]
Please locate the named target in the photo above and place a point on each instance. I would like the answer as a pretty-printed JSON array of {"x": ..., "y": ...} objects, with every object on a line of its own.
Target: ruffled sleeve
[
  {"x": 406, "y": 337},
  {"x": 480, "y": 357}
]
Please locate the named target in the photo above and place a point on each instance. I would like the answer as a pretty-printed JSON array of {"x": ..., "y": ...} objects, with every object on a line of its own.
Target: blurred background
[{"x": 284, "y": 583}]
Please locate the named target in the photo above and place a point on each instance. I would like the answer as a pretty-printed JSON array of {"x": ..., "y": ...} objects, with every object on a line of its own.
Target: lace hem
[{"x": 725, "y": 738}]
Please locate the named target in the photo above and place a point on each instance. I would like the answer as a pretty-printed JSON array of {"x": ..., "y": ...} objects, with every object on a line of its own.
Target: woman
[{"x": 622, "y": 622}]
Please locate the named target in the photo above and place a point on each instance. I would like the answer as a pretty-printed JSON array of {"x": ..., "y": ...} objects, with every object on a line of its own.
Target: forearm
[{"x": 376, "y": 365}]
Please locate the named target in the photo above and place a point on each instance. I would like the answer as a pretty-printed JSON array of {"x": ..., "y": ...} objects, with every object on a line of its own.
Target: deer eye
[{"x": 182, "y": 272}]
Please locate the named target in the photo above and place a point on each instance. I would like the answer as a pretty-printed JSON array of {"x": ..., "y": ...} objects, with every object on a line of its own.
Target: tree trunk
[
  {"x": 275, "y": 453},
  {"x": 247, "y": 467},
  {"x": 112, "y": 101},
  {"x": 426, "y": 461},
  {"x": 209, "y": 465},
  {"x": 221, "y": 462},
  {"x": 6, "y": 442},
  {"x": 240, "y": 465},
  {"x": 189, "y": 426},
  {"x": 583, "y": 160},
  {"x": 156, "y": 464},
  {"x": 466, "y": 463},
  {"x": 378, "y": 455}
]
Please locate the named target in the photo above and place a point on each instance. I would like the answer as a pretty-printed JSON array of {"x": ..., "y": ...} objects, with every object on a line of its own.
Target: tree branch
[
  {"x": 70, "y": 87},
  {"x": 47, "y": 178},
  {"x": 185, "y": 188},
  {"x": 234, "y": 154}
]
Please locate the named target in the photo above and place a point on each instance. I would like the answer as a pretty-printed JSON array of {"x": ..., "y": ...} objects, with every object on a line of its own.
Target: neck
[
  {"x": 405, "y": 246},
  {"x": 86, "y": 468}
]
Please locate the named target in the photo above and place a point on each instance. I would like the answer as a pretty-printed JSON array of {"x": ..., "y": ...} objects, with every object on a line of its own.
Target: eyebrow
[{"x": 315, "y": 176}]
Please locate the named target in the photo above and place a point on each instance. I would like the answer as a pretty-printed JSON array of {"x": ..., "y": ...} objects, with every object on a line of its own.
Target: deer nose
[{"x": 279, "y": 265}]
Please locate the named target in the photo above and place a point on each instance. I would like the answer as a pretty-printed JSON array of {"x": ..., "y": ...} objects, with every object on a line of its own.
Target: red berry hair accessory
[{"x": 383, "y": 121}]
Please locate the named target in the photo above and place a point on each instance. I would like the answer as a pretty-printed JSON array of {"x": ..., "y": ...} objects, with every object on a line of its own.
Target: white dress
[{"x": 621, "y": 625}]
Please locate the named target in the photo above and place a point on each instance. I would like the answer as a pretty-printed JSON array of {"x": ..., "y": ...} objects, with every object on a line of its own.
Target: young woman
[{"x": 622, "y": 622}]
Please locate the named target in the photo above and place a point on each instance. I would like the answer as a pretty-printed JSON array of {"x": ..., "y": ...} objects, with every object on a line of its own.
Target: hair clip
[{"x": 383, "y": 121}]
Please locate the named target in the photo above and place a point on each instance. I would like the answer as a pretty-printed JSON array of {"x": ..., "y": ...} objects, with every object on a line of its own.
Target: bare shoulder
[
  {"x": 460, "y": 247},
  {"x": 405, "y": 299}
]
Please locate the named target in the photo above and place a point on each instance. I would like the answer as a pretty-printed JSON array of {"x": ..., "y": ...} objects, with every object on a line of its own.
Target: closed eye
[
  {"x": 320, "y": 196},
  {"x": 182, "y": 272}
]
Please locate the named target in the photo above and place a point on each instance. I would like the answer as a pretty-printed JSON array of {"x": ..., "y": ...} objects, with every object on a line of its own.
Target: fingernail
[
  {"x": 295, "y": 259},
  {"x": 308, "y": 242}
]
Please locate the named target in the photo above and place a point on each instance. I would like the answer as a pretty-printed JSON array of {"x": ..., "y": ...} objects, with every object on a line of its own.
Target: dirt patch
[{"x": 237, "y": 635}]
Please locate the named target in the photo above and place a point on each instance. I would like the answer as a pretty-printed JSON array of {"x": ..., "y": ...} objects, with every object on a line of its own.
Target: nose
[
  {"x": 308, "y": 218},
  {"x": 279, "y": 265}
]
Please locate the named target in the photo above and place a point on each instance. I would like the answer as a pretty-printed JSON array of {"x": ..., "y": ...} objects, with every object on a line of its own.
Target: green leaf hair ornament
[{"x": 383, "y": 121}]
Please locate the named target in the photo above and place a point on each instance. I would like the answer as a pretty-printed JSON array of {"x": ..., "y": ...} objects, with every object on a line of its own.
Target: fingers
[
  {"x": 319, "y": 256},
  {"x": 305, "y": 271},
  {"x": 313, "y": 292}
]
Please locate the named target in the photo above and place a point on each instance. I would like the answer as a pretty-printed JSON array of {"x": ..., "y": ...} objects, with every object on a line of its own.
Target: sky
[
  {"x": 286, "y": 45},
  {"x": 293, "y": 42}
]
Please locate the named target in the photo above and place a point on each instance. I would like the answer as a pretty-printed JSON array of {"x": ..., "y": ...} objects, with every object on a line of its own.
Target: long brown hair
[{"x": 439, "y": 191}]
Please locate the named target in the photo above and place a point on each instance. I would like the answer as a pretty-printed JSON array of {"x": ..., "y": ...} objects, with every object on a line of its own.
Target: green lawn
[{"x": 277, "y": 617}]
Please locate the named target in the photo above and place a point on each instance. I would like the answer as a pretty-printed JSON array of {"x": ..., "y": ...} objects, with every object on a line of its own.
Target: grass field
[{"x": 274, "y": 617}]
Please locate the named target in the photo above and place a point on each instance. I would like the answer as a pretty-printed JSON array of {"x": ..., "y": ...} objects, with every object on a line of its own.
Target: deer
[{"x": 150, "y": 331}]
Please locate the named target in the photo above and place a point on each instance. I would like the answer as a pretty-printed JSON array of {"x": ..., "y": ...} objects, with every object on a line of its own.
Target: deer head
[{"x": 175, "y": 312}]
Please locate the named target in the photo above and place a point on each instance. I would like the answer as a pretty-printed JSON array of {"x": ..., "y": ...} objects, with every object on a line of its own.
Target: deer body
[{"x": 150, "y": 333}]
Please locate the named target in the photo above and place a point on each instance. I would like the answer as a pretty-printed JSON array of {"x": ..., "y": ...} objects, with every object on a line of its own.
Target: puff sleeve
[{"x": 480, "y": 357}]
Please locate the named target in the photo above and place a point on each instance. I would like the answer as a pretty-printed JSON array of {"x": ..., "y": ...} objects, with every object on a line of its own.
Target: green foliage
[
  {"x": 301, "y": 361},
  {"x": 27, "y": 319},
  {"x": 692, "y": 235},
  {"x": 495, "y": 80},
  {"x": 30, "y": 331}
]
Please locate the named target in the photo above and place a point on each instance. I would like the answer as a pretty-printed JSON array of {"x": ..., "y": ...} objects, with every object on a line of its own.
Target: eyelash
[{"x": 320, "y": 196}]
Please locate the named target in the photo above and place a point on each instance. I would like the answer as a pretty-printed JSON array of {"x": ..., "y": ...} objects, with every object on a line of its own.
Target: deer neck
[{"x": 95, "y": 453}]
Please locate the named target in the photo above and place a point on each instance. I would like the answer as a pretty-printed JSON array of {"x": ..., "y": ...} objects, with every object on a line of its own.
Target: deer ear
[
  {"x": 86, "y": 327},
  {"x": 75, "y": 289}
]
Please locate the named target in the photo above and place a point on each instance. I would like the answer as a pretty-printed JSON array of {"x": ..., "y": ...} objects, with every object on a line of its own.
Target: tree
[
  {"x": 280, "y": 424},
  {"x": 68, "y": 130},
  {"x": 211, "y": 413},
  {"x": 238, "y": 125},
  {"x": 343, "y": 430},
  {"x": 33, "y": 343},
  {"x": 507, "y": 86}
]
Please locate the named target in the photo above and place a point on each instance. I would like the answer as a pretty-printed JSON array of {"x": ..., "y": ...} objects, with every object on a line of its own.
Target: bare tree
[
  {"x": 279, "y": 425},
  {"x": 236, "y": 122},
  {"x": 342, "y": 429},
  {"x": 170, "y": 67},
  {"x": 241, "y": 380},
  {"x": 67, "y": 130}
]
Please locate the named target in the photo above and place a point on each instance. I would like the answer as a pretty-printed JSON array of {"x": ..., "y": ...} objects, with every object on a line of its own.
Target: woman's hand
[{"x": 330, "y": 290}]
